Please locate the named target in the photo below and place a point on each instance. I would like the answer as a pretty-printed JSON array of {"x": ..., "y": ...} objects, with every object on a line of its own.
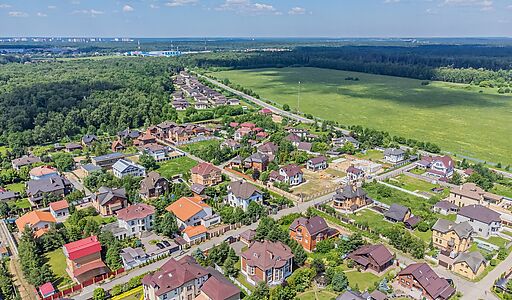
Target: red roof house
[
  {"x": 46, "y": 290},
  {"x": 83, "y": 259}
]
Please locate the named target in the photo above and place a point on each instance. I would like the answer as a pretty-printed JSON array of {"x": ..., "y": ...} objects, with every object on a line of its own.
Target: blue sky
[{"x": 256, "y": 18}]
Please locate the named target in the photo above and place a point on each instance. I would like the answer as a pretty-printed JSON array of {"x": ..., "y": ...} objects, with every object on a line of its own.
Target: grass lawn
[
  {"x": 57, "y": 262},
  {"x": 416, "y": 204},
  {"x": 444, "y": 113},
  {"x": 319, "y": 295},
  {"x": 372, "y": 218},
  {"x": 502, "y": 190},
  {"x": 199, "y": 145},
  {"x": 373, "y": 155},
  {"x": 416, "y": 185},
  {"x": 498, "y": 241},
  {"x": 180, "y": 165},
  {"x": 417, "y": 171},
  {"x": 133, "y": 294},
  {"x": 4, "y": 149},
  {"x": 425, "y": 236},
  {"x": 21, "y": 203},
  {"x": 16, "y": 187},
  {"x": 361, "y": 280}
]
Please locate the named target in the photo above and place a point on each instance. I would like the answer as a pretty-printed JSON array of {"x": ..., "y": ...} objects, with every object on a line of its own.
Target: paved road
[
  {"x": 76, "y": 183},
  {"x": 6, "y": 238}
]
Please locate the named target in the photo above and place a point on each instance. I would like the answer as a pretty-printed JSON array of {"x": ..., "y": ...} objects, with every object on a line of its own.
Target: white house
[
  {"x": 158, "y": 152},
  {"x": 241, "y": 194},
  {"x": 485, "y": 221},
  {"x": 354, "y": 174},
  {"x": 136, "y": 218},
  {"x": 133, "y": 257},
  {"x": 193, "y": 211},
  {"x": 292, "y": 174},
  {"x": 317, "y": 163},
  {"x": 125, "y": 167},
  {"x": 394, "y": 155}
]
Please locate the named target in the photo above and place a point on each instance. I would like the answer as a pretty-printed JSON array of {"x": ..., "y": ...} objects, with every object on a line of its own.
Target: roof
[
  {"x": 248, "y": 235},
  {"x": 472, "y": 191},
  {"x": 379, "y": 253},
  {"x": 136, "y": 211},
  {"x": 268, "y": 147},
  {"x": 25, "y": 160},
  {"x": 204, "y": 168},
  {"x": 151, "y": 180},
  {"x": 349, "y": 192},
  {"x": 109, "y": 156},
  {"x": 173, "y": 274},
  {"x": 354, "y": 170},
  {"x": 73, "y": 146},
  {"x": 42, "y": 171},
  {"x": 83, "y": 247},
  {"x": 89, "y": 138},
  {"x": 446, "y": 205},
  {"x": 86, "y": 267},
  {"x": 473, "y": 259},
  {"x": 186, "y": 207},
  {"x": 197, "y": 188},
  {"x": 305, "y": 146},
  {"x": 34, "y": 217},
  {"x": 463, "y": 230},
  {"x": 192, "y": 231},
  {"x": 46, "y": 289},
  {"x": 242, "y": 189},
  {"x": 266, "y": 255},
  {"x": 378, "y": 295},
  {"x": 318, "y": 160},
  {"x": 58, "y": 205},
  {"x": 480, "y": 213},
  {"x": 293, "y": 138},
  {"x": 129, "y": 254},
  {"x": 265, "y": 111},
  {"x": 257, "y": 157},
  {"x": 217, "y": 287},
  {"x": 105, "y": 194},
  {"x": 434, "y": 285},
  {"x": 313, "y": 225},
  {"x": 291, "y": 170},
  {"x": 413, "y": 221},
  {"x": 394, "y": 151},
  {"x": 123, "y": 164},
  {"x": 91, "y": 168},
  {"x": 350, "y": 295},
  {"x": 5, "y": 195},
  {"x": 396, "y": 212}
]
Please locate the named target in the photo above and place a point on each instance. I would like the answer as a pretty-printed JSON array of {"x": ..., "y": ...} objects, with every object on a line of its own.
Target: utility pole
[{"x": 298, "y": 99}]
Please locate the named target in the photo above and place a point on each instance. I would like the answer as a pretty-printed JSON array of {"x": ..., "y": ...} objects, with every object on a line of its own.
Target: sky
[{"x": 256, "y": 18}]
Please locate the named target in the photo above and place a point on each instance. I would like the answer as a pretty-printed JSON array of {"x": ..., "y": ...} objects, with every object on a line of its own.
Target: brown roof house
[
  {"x": 317, "y": 163},
  {"x": 376, "y": 258},
  {"x": 25, "y": 160},
  {"x": 186, "y": 279},
  {"x": 308, "y": 232},
  {"x": 153, "y": 185},
  {"x": 350, "y": 198},
  {"x": 470, "y": 193},
  {"x": 256, "y": 161},
  {"x": 451, "y": 238},
  {"x": 269, "y": 149},
  {"x": 206, "y": 174},
  {"x": 269, "y": 262},
  {"x": 107, "y": 200},
  {"x": 485, "y": 221},
  {"x": 421, "y": 282},
  {"x": 290, "y": 174}
]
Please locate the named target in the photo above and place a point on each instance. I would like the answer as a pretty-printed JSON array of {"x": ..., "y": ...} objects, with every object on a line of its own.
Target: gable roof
[
  {"x": 480, "y": 213},
  {"x": 473, "y": 259},
  {"x": 394, "y": 151},
  {"x": 379, "y": 253},
  {"x": 350, "y": 295},
  {"x": 25, "y": 160},
  {"x": 136, "y": 211},
  {"x": 192, "y": 231},
  {"x": 434, "y": 285},
  {"x": 242, "y": 189},
  {"x": 291, "y": 170},
  {"x": 266, "y": 255},
  {"x": 304, "y": 146},
  {"x": 204, "y": 168},
  {"x": 83, "y": 247},
  {"x": 268, "y": 147},
  {"x": 45, "y": 185},
  {"x": 58, "y": 205},
  {"x": 349, "y": 192},
  {"x": 32, "y": 218},
  {"x": 463, "y": 230},
  {"x": 396, "y": 212},
  {"x": 42, "y": 171},
  {"x": 122, "y": 165},
  {"x": 217, "y": 287},
  {"x": 105, "y": 194},
  {"x": 293, "y": 138},
  {"x": 186, "y": 207},
  {"x": 317, "y": 160},
  {"x": 313, "y": 225}
]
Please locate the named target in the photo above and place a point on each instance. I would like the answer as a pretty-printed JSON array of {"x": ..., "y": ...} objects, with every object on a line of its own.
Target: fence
[
  {"x": 196, "y": 140},
  {"x": 79, "y": 287},
  {"x": 320, "y": 194},
  {"x": 240, "y": 285}
]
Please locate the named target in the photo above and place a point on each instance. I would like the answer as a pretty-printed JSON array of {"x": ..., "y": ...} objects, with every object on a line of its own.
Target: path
[{"x": 404, "y": 190}]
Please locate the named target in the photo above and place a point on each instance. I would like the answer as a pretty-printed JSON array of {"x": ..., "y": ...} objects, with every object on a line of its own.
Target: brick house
[
  {"x": 450, "y": 237},
  {"x": 206, "y": 174},
  {"x": 308, "y": 232},
  {"x": 420, "y": 278},
  {"x": 83, "y": 259},
  {"x": 350, "y": 198},
  {"x": 373, "y": 257},
  {"x": 107, "y": 200}
]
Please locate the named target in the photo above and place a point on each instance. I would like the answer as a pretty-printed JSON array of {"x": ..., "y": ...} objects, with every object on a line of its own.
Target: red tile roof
[
  {"x": 204, "y": 169},
  {"x": 136, "y": 211},
  {"x": 58, "y": 205},
  {"x": 83, "y": 247},
  {"x": 46, "y": 289}
]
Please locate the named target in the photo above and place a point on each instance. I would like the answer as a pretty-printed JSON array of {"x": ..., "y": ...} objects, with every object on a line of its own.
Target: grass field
[
  {"x": 502, "y": 190},
  {"x": 373, "y": 155},
  {"x": 318, "y": 295},
  {"x": 16, "y": 187},
  {"x": 416, "y": 185},
  {"x": 372, "y": 218},
  {"x": 457, "y": 117},
  {"x": 176, "y": 166},
  {"x": 199, "y": 145},
  {"x": 21, "y": 203},
  {"x": 361, "y": 280},
  {"x": 57, "y": 262}
]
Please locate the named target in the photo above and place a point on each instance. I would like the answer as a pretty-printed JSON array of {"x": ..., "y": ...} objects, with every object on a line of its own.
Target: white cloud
[
  {"x": 5, "y": 6},
  {"x": 391, "y": 1},
  {"x": 248, "y": 7},
  {"x": 52, "y": 7},
  {"x": 485, "y": 5},
  {"x": 40, "y": 14},
  {"x": 297, "y": 11},
  {"x": 510, "y": 6},
  {"x": 176, "y": 3},
  {"x": 128, "y": 8},
  {"x": 154, "y": 6},
  {"x": 90, "y": 12},
  {"x": 18, "y": 14}
]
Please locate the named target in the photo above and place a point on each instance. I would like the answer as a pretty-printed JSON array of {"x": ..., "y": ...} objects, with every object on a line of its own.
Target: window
[{"x": 189, "y": 288}]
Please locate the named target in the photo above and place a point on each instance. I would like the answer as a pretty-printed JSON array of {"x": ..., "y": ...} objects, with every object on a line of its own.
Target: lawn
[
  {"x": 21, "y": 203},
  {"x": 447, "y": 114},
  {"x": 199, "y": 145},
  {"x": 372, "y": 218},
  {"x": 4, "y": 149},
  {"x": 180, "y": 165},
  {"x": 57, "y": 262},
  {"x": 373, "y": 155},
  {"x": 16, "y": 187},
  {"x": 496, "y": 240},
  {"x": 425, "y": 236},
  {"x": 361, "y": 280},
  {"x": 133, "y": 294},
  {"x": 502, "y": 190},
  {"x": 318, "y": 295},
  {"x": 390, "y": 196},
  {"x": 416, "y": 185}
]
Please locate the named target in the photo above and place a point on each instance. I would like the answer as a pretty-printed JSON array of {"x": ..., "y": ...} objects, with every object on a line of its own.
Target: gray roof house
[
  {"x": 242, "y": 193},
  {"x": 473, "y": 259},
  {"x": 463, "y": 230},
  {"x": 107, "y": 160},
  {"x": 485, "y": 221},
  {"x": 125, "y": 167},
  {"x": 25, "y": 160},
  {"x": 57, "y": 185},
  {"x": 88, "y": 139},
  {"x": 397, "y": 213}
]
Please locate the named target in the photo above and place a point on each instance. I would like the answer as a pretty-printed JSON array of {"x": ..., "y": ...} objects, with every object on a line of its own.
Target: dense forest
[{"x": 45, "y": 102}]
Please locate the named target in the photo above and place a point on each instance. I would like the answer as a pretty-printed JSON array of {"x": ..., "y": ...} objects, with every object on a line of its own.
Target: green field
[
  {"x": 457, "y": 117},
  {"x": 181, "y": 165},
  {"x": 416, "y": 185},
  {"x": 57, "y": 262},
  {"x": 317, "y": 295},
  {"x": 199, "y": 145},
  {"x": 16, "y": 187}
]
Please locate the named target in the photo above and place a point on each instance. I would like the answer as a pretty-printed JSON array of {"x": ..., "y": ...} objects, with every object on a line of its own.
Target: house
[
  {"x": 317, "y": 163},
  {"x": 47, "y": 290},
  {"x": 186, "y": 279},
  {"x": 43, "y": 172},
  {"x": 350, "y": 198},
  {"x": 266, "y": 261},
  {"x": 125, "y": 167},
  {"x": 485, "y": 221},
  {"x": 293, "y": 138},
  {"x": 248, "y": 237},
  {"x": 469, "y": 264},
  {"x": 70, "y": 147},
  {"x": 117, "y": 146},
  {"x": 265, "y": 111},
  {"x": 6, "y": 195},
  {"x": 242, "y": 193},
  {"x": 108, "y": 160},
  {"x": 240, "y": 133},
  {"x": 290, "y": 174},
  {"x": 262, "y": 135},
  {"x": 89, "y": 139},
  {"x": 153, "y": 185},
  {"x": 194, "y": 234},
  {"x": 88, "y": 169},
  {"x": 394, "y": 156},
  {"x": 269, "y": 149},
  {"x": 354, "y": 175},
  {"x": 108, "y": 200},
  {"x": 38, "y": 221},
  {"x": 373, "y": 257},
  {"x": 83, "y": 259},
  {"x": 450, "y": 237},
  {"x": 397, "y": 213},
  {"x": 157, "y": 151},
  {"x": 437, "y": 166},
  {"x": 25, "y": 160},
  {"x": 231, "y": 144},
  {"x": 206, "y": 174},
  {"x": 133, "y": 257},
  {"x": 256, "y": 161},
  {"x": 445, "y": 207},
  {"x": 420, "y": 280},
  {"x": 470, "y": 193},
  {"x": 193, "y": 211},
  {"x": 128, "y": 134},
  {"x": 56, "y": 185},
  {"x": 144, "y": 139},
  {"x": 309, "y": 231},
  {"x": 233, "y": 101},
  {"x": 305, "y": 146},
  {"x": 59, "y": 209},
  {"x": 132, "y": 220},
  {"x": 412, "y": 222},
  {"x": 341, "y": 141}
]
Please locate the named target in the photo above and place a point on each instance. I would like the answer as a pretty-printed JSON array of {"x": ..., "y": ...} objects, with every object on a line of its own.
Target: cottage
[
  {"x": 485, "y": 222},
  {"x": 256, "y": 161},
  {"x": 438, "y": 166},
  {"x": 37, "y": 221},
  {"x": 88, "y": 169},
  {"x": 373, "y": 257},
  {"x": 450, "y": 237},
  {"x": 397, "y": 213},
  {"x": 445, "y": 208},
  {"x": 25, "y": 160},
  {"x": 317, "y": 163},
  {"x": 269, "y": 149},
  {"x": 70, "y": 147},
  {"x": 133, "y": 257},
  {"x": 59, "y": 209},
  {"x": 206, "y": 174},
  {"x": 41, "y": 172},
  {"x": 123, "y": 168},
  {"x": 108, "y": 200},
  {"x": 89, "y": 139},
  {"x": 342, "y": 141},
  {"x": 308, "y": 232},
  {"x": 419, "y": 277},
  {"x": 193, "y": 211},
  {"x": 394, "y": 156},
  {"x": 157, "y": 151},
  {"x": 128, "y": 134},
  {"x": 469, "y": 265},
  {"x": 355, "y": 175},
  {"x": 305, "y": 146},
  {"x": 242, "y": 193},
  {"x": 231, "y": 144},
  {"x": 193, "y": 234},
  {"x": 350, "y": 198},
  {"x": 248, "y": 237},
  {"x": 132, "y": 220},
  {"x": 290, "y": 174},
  {"x": 153, "y": 186},
  {"x": 56, "y": 185},
  {"x": 6, "y": 195},
  {"x": 240, "y": 133},
  {"x": 293, "y": 138},
  {"x": 108, "y": 160},
  {"x": 266, "y": 261},
  {"x": 83, "y": 259},
  {"x": 470, "y": 194}
]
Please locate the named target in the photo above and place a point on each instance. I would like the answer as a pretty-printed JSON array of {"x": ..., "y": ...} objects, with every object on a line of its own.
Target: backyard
[
  {"x": 373, "y": 155},
  {"x": 444, "y": 113},
  {"x": 180, "y": 165},
  {"x": 317, "y": 295},
  {"x": 57, "y": 262},
  {"x": 199, "y": 145},
  {"x": 417, "y": 185}
]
